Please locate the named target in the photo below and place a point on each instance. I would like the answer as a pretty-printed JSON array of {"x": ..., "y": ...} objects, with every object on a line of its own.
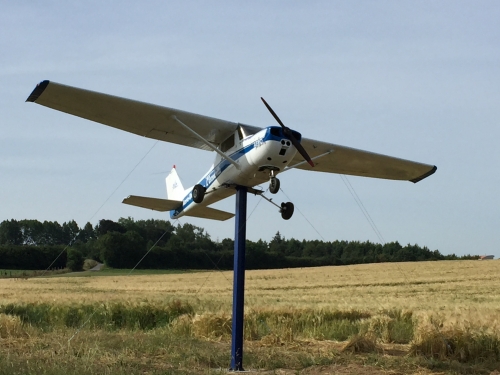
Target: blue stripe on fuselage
[{"x": 212, "y": 175}]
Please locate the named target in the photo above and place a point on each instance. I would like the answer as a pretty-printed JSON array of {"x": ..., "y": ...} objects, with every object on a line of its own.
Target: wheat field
[
  {"x": 312, "y": 321},
  {"x": 467, "y": 289}
]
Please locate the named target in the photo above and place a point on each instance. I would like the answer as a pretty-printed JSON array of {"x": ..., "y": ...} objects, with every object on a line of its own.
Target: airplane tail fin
[{"x": 175, "y": 190}]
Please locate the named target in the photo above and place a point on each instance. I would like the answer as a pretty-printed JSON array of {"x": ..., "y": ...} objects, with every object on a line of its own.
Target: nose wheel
[
  {"x": 274, "y": 185},
  {"x": 286, "y": 210}
]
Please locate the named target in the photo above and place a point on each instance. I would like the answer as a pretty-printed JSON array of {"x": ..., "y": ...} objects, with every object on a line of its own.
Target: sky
[{"x": 416, "y": 80}]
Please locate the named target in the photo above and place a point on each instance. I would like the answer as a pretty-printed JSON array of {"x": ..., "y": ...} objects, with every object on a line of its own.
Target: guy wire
[{"x": 101, "y": 206}]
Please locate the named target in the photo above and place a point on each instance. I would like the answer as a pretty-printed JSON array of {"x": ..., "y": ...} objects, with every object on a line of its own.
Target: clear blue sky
[{"x": 417, "y": 80}]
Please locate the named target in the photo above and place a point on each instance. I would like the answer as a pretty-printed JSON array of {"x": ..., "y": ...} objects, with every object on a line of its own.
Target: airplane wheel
[
  {"x": 274, "y": 185},
  {"x": 286, "y": 210},
  {"x": 198, "y": 193}
]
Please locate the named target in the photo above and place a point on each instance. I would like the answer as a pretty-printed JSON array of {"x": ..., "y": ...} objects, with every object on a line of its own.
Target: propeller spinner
[{"x": 288, "y": 132}]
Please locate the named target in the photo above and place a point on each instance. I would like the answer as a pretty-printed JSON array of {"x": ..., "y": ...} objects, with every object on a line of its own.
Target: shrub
[
  {"x": 75, "y": 260},
  {"x": 89, "y": 264}
]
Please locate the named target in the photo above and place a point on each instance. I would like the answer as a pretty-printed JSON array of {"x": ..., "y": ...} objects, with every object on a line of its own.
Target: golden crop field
[
  {"x": 448, "y": 286},
  {"x": 428, "y": 306}
]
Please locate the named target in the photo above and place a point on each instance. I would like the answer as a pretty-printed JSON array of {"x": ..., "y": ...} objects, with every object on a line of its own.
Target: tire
[
  {"x": 198, "y": 193},
  {"x": 274, "y": 185},
  {"x": 287, "y": 210}
]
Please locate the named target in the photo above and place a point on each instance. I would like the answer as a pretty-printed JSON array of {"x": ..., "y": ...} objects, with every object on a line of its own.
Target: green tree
[
  {"x": 152, "y": 230},
  {"x": 227, "y": 244},
  {"x": 257, "y": 255},
  {"x": 293, "y": 248},
  {"x": 10, "y": 233},
  {"x": 278, "y": 244},
  {"x": 87, "y": 233},
  {"x": 53, "y": 234},
  {"x": 71, "y": 231},
  {"x": 106, "y": 226},
  {"x": 120, "y": 250},
  {"x": 33, "y": 232},
  {"x": 189, "y": 237}
]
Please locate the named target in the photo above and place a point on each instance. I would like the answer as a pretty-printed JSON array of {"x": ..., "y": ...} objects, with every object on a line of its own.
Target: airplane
[{"x": 246, "y": 155}]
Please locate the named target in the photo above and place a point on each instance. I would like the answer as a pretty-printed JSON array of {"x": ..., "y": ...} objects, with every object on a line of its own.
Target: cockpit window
[
  {"x": 276, "y": 131},
  {"x": 296, "y": 135},
  {"x": 227, "y": 144}
]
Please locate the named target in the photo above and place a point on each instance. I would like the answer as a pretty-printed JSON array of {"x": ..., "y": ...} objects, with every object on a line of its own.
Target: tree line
[{"x": 31, "y": 244}]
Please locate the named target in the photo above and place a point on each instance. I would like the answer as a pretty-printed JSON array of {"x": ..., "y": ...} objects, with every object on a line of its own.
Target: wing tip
[
  {"x": 39, "y": 89},
  {"x": 425, "y": 175}
]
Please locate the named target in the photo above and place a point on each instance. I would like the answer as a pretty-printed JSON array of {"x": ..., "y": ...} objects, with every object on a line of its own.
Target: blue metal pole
[{"x": 239, "y": 279}]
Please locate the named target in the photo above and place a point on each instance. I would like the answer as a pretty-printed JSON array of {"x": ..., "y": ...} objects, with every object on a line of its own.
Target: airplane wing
[
  {"x": 148, "y": 120},
  {"x": 156, "y": 204},
  {"x": 333, "y": 158},
  {"x": 157, "y": 122}
]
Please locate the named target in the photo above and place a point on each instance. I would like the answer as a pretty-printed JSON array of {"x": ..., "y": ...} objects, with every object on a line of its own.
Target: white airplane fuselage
[{"x": 256, "y": 156}]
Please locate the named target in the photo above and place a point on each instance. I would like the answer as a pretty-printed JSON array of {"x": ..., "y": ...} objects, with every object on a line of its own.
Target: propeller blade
[
  {"x": 301, "y": 150},
  {"x": 289, "y": 134},
  {"x": 272, "y": 112}
]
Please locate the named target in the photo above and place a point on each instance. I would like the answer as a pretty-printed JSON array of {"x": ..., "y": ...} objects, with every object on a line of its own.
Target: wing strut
[
  {"x": 305, "y": 161},
  {"x": 207, "y": 143}
]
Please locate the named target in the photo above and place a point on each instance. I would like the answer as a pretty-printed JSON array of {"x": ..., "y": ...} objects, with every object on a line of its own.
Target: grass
[
  {"x": 96, "y": 316},
  {"x": 25, "y": 274},
  {"x": 465, "y": 342},
  {"x": 162, "y": 351},
  {"x": 409, "y": 318},
  {"x": 280, "y": 325},
  {"x": 105, "y": 271}
]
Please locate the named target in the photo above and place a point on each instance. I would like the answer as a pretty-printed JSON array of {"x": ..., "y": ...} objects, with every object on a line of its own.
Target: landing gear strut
[
  {"x": 198, "y": 193},
  {"x": 286, "y": 208}
]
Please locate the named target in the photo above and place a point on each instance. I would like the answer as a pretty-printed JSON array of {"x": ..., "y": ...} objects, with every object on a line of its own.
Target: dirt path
[{"x": 97, "y": 267}]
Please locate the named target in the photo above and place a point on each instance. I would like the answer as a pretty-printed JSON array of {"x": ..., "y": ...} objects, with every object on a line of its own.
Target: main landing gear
[{"x": 198, "y": 193}]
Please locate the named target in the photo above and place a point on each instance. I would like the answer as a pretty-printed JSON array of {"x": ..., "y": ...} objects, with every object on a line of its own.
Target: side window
[{"x": 227, "y": 144}]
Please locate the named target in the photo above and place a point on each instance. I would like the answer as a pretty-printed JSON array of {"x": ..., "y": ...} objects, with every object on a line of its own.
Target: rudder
[{"x": 175, "y": 190}]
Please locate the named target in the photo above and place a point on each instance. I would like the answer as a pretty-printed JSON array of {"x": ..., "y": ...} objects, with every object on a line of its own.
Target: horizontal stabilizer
[
  {"x": 152, "y": 203},
  {"x": 209, "y": 213}
]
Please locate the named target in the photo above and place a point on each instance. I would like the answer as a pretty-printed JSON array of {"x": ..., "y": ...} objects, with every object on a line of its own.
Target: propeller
[{"x": 288, "y": 132}]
